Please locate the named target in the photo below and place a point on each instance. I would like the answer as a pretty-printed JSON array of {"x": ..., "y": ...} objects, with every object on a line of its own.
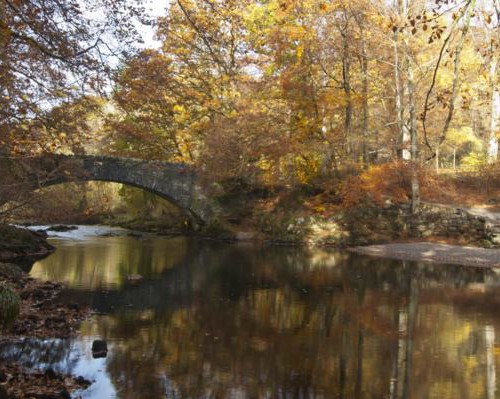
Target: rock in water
[
  {"x": 62, "y": 228},
  {"x": 134, "y": 277},
  {"x": 245, "y": 236},
  {"x": 9, "y": 306},
  {"x": 99, "y": 349}
]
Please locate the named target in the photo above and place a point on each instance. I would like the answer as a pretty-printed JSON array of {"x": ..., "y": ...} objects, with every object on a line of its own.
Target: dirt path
[
  {"x": 436, "y": 253},
  {"x": 488, "y": 214}
]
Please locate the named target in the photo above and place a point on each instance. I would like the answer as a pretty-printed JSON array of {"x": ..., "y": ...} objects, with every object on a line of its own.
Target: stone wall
[
  {"x": 370, "y": 224},
  {"x": 440, "y": 220}
]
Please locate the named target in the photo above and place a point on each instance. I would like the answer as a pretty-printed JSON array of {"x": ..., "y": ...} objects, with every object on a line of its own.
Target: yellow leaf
[{"x": 300, "y": 51}]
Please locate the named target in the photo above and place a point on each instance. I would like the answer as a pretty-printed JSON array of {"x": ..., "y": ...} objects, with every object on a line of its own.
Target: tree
[
  {"x": 492, "y": 151},
  {"x": 54, "y": 54},
  {"x": 54, "y": 51},
  {"x": 291, "y": 91}
]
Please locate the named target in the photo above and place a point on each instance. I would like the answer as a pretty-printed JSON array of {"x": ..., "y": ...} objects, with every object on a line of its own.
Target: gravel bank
[{"x": 436, "y": 253}]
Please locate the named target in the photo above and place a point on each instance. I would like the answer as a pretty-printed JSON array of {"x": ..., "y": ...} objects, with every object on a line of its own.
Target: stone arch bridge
[{"x": 177, "y": 183}]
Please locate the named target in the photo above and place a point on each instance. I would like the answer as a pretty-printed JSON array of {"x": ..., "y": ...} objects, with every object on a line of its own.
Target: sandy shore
[{"x": 435, "y": 253}]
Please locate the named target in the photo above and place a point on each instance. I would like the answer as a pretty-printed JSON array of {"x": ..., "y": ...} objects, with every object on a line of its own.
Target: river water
[{"x": 218, "y": 320}]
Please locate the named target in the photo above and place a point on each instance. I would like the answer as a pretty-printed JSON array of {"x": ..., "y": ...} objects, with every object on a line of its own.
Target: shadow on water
[{"x": 212, "y": 320}]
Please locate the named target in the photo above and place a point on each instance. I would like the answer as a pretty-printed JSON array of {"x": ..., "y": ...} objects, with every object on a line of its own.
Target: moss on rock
[{"x": 9, "y": 306}]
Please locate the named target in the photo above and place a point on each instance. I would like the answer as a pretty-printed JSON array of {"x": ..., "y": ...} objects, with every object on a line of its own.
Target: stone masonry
[{"x": 178, "y": 183}]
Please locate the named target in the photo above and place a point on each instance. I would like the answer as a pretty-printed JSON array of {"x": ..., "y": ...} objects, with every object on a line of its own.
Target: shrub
[{"x": 376, "y": 183}]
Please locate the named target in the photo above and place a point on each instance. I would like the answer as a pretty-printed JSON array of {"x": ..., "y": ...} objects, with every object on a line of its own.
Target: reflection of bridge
[{"x": 178, "y": 183}]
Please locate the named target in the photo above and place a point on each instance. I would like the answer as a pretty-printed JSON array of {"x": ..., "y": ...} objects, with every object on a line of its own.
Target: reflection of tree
[
  {"x": 403, "y": 358},
  {"x": 268, "y": 324},
  {"x": 32, "y": 353},
  {"x": 489, "y": 336},
  {"x": 228, "y": 321},
  {"x": 107, "y": 261}
]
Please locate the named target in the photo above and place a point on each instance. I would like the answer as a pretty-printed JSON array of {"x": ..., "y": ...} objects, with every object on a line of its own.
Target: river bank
[
  {"x": 308, "y": 215},
  {"x": 434, "y": 253},
  {"x": 42, "y": 315},
  {"x": 18, "y": 244},
  {"x": 365, "y": 224}
]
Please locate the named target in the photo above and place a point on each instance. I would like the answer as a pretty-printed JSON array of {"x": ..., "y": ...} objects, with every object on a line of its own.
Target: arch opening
[{"x": 103, "y": 202}]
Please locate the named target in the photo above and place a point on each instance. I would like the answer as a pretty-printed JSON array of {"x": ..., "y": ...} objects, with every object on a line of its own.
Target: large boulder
[{"x": 18, "y": 242}]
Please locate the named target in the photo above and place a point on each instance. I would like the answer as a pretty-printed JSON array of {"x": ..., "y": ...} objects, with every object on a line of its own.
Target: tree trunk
[
  {"x": 366, "y": 110},
  {"x": 492, "y": 151},
  {"x": 495, "y": 118},
  {"x": 415, "y": 185},
  {"x": 412, "y": 122},
  {"x": 404, "y": 136},
  {"x": 410, "y": 331},
  {"x": 456, "y": 72},
  {"x": 400, "y": 369},
  {"x": 437, "y": 159},
  {"x": 346, "y": 83}
]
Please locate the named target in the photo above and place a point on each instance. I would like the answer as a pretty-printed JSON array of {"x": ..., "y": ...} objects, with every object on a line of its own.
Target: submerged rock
[
  {"x": 51, "y": 374},
  {"x": 134, "y": 277}
]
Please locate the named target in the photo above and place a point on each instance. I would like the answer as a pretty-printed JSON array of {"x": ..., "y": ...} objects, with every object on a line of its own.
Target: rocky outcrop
[{"x": 17, "y": 243}]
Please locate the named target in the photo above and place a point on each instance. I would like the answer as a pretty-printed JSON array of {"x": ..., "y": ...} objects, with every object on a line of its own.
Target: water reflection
[
  {"x": 107, "y": 262},
  {"x": 227, "y": 321}
]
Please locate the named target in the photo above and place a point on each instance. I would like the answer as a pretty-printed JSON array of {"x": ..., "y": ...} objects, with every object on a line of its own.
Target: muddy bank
[
  {"x": 434, "y": 253},
  {"x": 41, "y": 315}
]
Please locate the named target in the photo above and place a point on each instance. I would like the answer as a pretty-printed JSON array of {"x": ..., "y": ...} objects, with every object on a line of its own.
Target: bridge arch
[{"x": 177, "y": 183}]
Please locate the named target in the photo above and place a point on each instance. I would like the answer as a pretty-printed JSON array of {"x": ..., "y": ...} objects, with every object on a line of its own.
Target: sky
[{"x": 155, "y": 8}]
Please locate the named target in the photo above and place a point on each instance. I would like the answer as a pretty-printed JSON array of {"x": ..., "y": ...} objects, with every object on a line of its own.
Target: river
[{"x": 217, "y": 320}]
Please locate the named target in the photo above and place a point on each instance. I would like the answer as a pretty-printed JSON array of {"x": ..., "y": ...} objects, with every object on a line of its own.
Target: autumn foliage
[
  {"x": 377, "y": 184},
  {"x": 277, "y": 93}
]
